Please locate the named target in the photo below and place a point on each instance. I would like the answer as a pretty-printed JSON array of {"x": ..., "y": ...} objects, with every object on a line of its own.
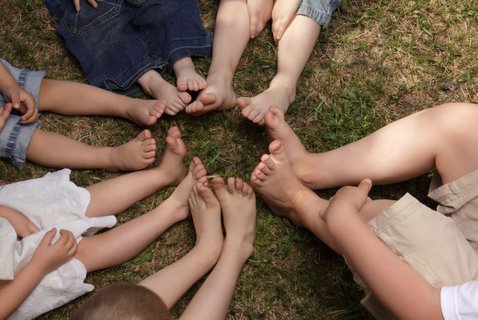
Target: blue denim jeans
[
  {"x": 120, "y": 40},
  {"x": 15, "y": 136},
  {"x": 319, "y": 10}
]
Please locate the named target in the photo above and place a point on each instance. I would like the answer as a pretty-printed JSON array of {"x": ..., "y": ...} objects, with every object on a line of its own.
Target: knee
[{"x": 455, "y": 116}]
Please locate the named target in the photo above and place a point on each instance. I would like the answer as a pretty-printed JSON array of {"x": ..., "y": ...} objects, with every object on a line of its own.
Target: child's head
[{"x": 123, "y": 301}]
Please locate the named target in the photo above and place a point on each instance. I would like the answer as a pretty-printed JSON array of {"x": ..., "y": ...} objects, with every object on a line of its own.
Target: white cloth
[
  {"x": 460, "y": 302},
  {"x": 50, "y": 201}
]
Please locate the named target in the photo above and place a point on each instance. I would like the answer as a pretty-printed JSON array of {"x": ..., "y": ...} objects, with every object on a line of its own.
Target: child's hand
[
  {"x": 22, "y": 101},
  {"x": 4, "y": 114},
  {"x": 49, "y": 257},
  {"x": 282, "y": 14},
  {"x": 22, "y": 225},
  {"x": 348, "y": 200},
  {"x": 76, "y": 3},
  {"x": 259, "y": 14}
]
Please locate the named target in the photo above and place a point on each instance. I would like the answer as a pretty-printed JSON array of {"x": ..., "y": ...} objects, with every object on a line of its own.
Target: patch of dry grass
[{"x": 378, "y": 61}]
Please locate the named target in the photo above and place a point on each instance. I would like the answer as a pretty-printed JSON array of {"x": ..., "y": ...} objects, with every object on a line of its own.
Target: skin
[
  {"x": 55, "y": 150},
  {"x": 118, "y": 244},
  {"x": 442, "y": 137}
]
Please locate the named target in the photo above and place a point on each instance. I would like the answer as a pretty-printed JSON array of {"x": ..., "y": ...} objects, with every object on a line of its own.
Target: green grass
[{"x": 378, "y": 61}]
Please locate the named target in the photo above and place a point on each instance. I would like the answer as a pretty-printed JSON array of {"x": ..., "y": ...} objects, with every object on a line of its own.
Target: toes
[
  {"x": 144, "y": 135},
  {"x": 239, "y": 184},
  {"x": 217, "y": 183},
  {"x": 243, "y": 102},
  {"x": 174, "y": 132},
  {"x": 185, "y": 97},
  {"x": 230, "y": 184}
]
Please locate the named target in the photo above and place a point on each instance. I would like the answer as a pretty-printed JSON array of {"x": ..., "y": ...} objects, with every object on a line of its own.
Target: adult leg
[
  {"x": 74, "y": 98},
  {"x": 232, "y": 22},
  {"x": 295, "y": 48},
  {"x": 55, "y": 150},
  {"x": 127, "y": 240},
  {"x": 441, "y": 137}
]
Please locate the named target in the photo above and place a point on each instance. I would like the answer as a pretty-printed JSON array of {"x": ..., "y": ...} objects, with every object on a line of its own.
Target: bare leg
[
  {"x": 154, "y": 85},
  {"x": 287, "y": 197},
  {"x": 187, "y": 77},
  {"x": 238, "y": 205},
  {"x": 115, "y": 195},
  {"x": 173, "y": 281},
  {"x": 73, "y": 98},
  {"x": 295, "y": 48},
  {"x": 127, "y": 240},
  {"x": 232, "y": 22},
  {"x": 441, "y": 137},
  {"x": 54, "y": 150}
]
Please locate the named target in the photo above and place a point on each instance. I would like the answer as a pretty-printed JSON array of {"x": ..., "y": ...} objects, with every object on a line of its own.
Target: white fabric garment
[
  {"x": 50, "y": 201},
  {"x": 460, "y": 302}
]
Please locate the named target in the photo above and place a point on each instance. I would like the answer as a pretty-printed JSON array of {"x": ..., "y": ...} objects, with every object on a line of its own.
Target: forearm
[
  {"x": 171, "y": 282},
  {"x": 214, "y": 297},
  {"x": 13, "y": 293},
  {"x": 388, "y": 277}
]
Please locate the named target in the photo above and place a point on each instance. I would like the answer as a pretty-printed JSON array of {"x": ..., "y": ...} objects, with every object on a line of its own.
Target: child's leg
[
  {"x": 115, "y": 195},
  {"x": 295, "y": 48},
  {"x": 277, "y": 184},
  {"x": 173, "y": 281},
  {"x": 154, "y": 85},
  {"x": 238, "y": 205},
  {"x": 74, "y": 98},
  {"x": 187, "y": 77},
  {"x": 443, "y": 137},
  {"x": 128, "y": 239},
  {"x": 54, "y": 150},
  {"x": 232, "y": 22}
]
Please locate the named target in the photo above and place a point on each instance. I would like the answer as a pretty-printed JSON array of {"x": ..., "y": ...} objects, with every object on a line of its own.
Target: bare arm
[
  {"x": 389, "y": 278},
  {"x": 46, "y": 258},
  {"x": 22, "y": 225}
]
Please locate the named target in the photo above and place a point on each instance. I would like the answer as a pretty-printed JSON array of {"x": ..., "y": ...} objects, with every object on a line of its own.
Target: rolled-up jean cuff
[
  {"x": 319, "y": 10},
  {"x": 27, "y": 79},
  {"x": 14, "y": 140}
]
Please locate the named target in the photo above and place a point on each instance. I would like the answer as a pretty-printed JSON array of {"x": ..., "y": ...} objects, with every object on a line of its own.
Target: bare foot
[
  {"x": 180, "y": 196},
  {"x": 186, "y": 76},
  {"x": 206, "y": 214},
  {"x": 238, "y": 203},
  {"x": 277, "y": 184},
  {"x": 298, "y": 156},
  {"x": 219, "y": 95},
  {"x": 160, "y": 89},
  {"x": 171, "y": 164},
  {"x": 255, "y": 108},
  {"x": 145, "y": 112},
  {"x": 134, "y": 155}
]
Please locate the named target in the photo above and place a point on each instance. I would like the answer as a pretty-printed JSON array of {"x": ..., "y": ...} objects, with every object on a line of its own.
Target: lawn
[{"x": 377, "y": 62}]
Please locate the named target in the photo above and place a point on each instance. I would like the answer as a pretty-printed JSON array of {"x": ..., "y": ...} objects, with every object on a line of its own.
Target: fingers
[
  {"x": 67, "y": 242},
  {"x": 76, "y": 3},
  {"x": 93, "y": 3},
  {"x": 47, "y": 238},
  {"x": 365, "y": 185},
  {"x": 31, "y": 111}
]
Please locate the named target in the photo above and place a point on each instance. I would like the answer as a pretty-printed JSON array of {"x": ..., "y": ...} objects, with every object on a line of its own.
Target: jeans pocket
[
  {"x": 135, "y": 3},
  {"x": 89, "y": 18}
]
